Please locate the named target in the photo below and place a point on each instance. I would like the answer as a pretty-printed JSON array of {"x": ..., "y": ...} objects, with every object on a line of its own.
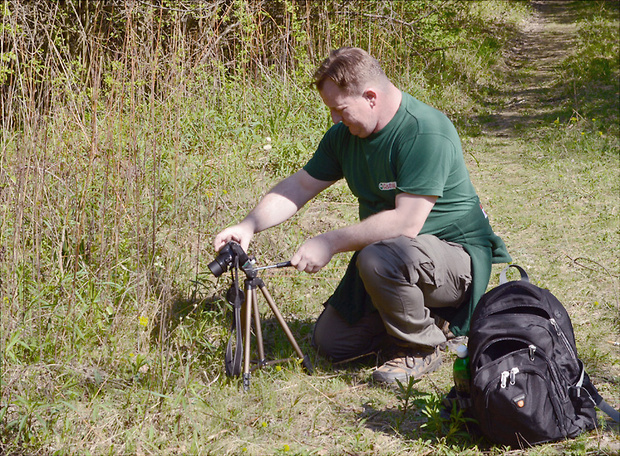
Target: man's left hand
[{"x": 313, "y": 255}]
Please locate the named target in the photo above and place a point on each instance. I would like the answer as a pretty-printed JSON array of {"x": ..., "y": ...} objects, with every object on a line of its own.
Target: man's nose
[{"x": 336, "y": 117}]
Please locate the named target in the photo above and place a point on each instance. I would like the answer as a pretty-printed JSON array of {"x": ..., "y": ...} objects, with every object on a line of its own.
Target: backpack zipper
[
  {"x": 552, "y": 385},
  {"x": 504, "y": 379},
  {"x": 512, "y": 374},
  {"x": 563, "y": 337}
]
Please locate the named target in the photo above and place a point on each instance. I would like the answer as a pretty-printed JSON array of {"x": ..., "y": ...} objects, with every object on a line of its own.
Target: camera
[{"x": 226, "y": 257}]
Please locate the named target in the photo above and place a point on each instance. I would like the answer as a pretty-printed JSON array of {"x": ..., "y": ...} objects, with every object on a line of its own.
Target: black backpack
[{"x": 528, "y": 385}]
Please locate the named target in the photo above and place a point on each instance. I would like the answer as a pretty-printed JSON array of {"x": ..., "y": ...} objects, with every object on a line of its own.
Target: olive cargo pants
[{"x": 406, "y": 278}]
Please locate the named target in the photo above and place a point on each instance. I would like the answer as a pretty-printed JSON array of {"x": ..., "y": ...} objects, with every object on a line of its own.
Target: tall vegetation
[
  {"x": 128, "y": 126},
  {"x": 132, "y": 131}
]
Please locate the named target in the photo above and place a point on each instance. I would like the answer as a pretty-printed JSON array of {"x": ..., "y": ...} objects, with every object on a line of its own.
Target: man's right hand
[{"x": 240, "y": 233}]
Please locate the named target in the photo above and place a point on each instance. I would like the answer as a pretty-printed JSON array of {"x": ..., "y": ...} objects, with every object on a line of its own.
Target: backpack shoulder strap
[
  {"x": 598, "y": 400},
  {"x": 504, "y": 279},
  {"x": 609, "y": 410}
]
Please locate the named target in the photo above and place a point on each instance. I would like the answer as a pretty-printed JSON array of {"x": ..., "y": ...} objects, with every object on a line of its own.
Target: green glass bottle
[{"x": 462, "y": 376}]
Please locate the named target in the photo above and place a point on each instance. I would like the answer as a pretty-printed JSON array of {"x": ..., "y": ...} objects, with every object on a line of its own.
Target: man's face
[{"x": 355, "y": 111}]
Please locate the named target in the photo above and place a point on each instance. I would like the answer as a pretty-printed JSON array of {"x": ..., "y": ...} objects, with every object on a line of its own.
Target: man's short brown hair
[{"x": 349, "y": 68}]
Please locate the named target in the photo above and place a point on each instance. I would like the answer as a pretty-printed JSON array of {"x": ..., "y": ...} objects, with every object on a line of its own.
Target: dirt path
[{"x": 532, "y": 89}]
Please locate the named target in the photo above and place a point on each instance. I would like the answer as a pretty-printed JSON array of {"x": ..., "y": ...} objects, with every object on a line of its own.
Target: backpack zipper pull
[
  {"x": 513, "y": 374},
  {"x": 532, "y": 351},
  {"x": 562, "y": 337},
  {"x": 505, "y": 376}
]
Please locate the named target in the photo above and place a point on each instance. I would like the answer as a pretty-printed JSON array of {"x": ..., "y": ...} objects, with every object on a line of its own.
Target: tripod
[{"x": 243, "y": 311}]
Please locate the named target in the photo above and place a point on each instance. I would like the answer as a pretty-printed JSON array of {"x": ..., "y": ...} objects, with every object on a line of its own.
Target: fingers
[
  {"x": 303, "y": 265},
  {"x": 312, "y": 256},
  {"x": 306, "y": 267},
  {"x": 234, "y": 233},
  {"x": 222, "y": 239}
]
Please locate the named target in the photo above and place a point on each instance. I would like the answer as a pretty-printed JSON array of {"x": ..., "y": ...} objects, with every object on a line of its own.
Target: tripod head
[{"x": 232, "y": 255}]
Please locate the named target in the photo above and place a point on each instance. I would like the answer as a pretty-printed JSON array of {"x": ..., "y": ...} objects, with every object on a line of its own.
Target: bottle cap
[{"x": 461, "y": 351}]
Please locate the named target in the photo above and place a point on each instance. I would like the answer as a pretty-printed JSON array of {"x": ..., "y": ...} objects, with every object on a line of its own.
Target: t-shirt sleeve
[
  {"x": 423, "y": 166},
  {"x": 324, "y": 164}
]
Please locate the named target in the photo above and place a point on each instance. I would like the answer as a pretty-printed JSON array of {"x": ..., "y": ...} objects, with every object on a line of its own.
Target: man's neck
[{"x": 392, "y": 99}]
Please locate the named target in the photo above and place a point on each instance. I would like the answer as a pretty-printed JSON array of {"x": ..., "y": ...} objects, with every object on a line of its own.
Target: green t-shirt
[{"x": 417, "y": 152}]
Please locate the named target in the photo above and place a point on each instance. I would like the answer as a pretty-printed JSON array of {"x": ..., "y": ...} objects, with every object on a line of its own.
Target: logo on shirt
[{"x": 387, "y": 186}]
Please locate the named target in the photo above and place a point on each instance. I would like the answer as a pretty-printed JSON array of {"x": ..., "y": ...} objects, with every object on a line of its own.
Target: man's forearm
[
  {"x": 273, "y": 209},
  {"x": 406, "y": 220},
  {"x": 284, "y": 200},
  {"x": 376, "y": 228}
]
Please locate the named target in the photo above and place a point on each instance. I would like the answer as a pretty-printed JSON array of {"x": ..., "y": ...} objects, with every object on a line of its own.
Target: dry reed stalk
[{"x": 90, "y": 115}]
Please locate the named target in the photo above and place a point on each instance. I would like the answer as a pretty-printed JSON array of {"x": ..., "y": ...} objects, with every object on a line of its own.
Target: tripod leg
[
  {"x": 258, "y": 329},
  {"x": 247, "y": 317},
  {"x": 306, "y": 361}
]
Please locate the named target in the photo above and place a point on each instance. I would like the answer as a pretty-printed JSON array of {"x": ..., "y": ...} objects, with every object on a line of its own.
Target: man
[{"x": 423, "y": 246}]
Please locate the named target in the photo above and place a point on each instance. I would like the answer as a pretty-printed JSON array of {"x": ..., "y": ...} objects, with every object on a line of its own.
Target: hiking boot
[
  {"x": 452, "y": 341},
  {"x": 414, "y": 364}
]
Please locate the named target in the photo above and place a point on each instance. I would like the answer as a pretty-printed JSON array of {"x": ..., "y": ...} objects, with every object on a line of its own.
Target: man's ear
[{"x": 370, "y": 95}]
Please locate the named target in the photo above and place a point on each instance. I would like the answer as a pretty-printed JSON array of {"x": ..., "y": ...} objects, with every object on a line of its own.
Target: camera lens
[
  {"x": 220, "y": 265},
  {"x": 217, "y": 269}
]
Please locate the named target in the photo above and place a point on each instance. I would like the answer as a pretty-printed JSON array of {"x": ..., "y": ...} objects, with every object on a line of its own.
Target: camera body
[{"x": 225, "y": 258}]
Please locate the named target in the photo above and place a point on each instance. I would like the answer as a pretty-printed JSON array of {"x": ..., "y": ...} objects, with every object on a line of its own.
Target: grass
[{"x": 113, "y": 331}]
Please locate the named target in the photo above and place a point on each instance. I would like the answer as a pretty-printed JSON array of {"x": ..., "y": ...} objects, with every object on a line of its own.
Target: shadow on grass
[
  {"x": 180, "y": 308},
  {"x": 199, "y": 315},
  {"x": 423, "y": 420}
]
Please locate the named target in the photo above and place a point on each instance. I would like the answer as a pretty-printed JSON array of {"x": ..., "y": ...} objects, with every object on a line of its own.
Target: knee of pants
[
  {"x": 334, "y": 338},
  {"x": 324, "y": 342},
  {"x": 404, "y": 267},
  {"x": 374, "y": 260}
]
